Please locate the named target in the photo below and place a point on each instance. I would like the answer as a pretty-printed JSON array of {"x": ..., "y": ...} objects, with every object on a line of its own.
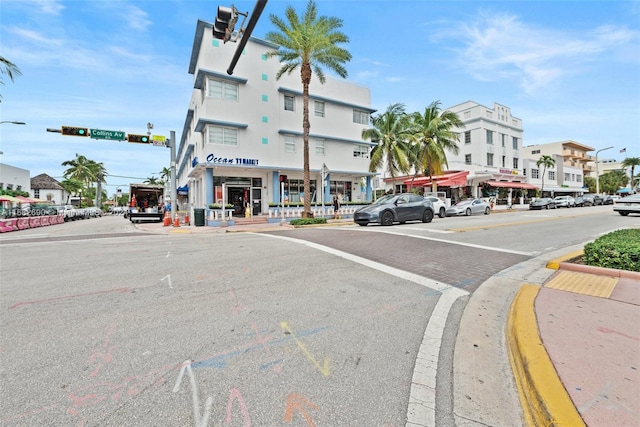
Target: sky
[{"x": 570, "y": 70}]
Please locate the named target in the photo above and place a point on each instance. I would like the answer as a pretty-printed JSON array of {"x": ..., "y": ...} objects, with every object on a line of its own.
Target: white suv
[
  {"x": 565, "y": 202},
  {"x": 439, "y": 207}
]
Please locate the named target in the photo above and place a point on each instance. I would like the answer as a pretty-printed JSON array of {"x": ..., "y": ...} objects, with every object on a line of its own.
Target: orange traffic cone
[
  {"x": 176, "y": 222},
  {"x": 167, "y": 219}
]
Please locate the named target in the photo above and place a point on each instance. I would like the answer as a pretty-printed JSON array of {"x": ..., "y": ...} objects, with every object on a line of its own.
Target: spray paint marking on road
[
  {"x": 200, "y": 420},
  {"x": 233, "y": 396},
  {"x": 237, "y": 307},
  {"x": 168, "y": 277},
  {"x": 324, "y": 369},
  {"x": 103, "y": 355},
  {"x": 20, "y": 304},
  {"x": 298, "y": 403},
  {"x": 276, "y": 367}
]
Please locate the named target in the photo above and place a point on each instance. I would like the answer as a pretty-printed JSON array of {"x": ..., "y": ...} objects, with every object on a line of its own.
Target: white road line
[
  {"x": 470, "y": 245},
  {"x": 421, "y": 410}
]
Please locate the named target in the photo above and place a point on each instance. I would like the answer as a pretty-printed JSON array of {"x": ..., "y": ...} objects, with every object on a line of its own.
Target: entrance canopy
[
  {"x": 512, "y": 184},
  {"x": 448, "y": 179}
]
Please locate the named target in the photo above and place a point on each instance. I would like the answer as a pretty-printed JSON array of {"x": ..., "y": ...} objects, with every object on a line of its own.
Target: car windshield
[
  {"x": 385, "y": 199},
  {"x": 464, "y": 202}
]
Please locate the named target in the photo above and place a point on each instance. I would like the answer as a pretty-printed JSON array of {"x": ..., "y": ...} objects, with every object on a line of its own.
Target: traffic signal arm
[{"x": 74, "y": 131}]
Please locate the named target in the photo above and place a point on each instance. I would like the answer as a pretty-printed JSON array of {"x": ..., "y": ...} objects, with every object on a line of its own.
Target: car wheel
[
  {"x": 427, "y": 216},
  {"x": 387, "y": 218},
  {"x": 442, "y": 213},
  {"x": 487, "y": 210},
  {"x": 547, "y": 207},
  {"x": 468, "y": 212},
  {"x": 624, "y": 213},
  {"x": 362, "y": 224}
]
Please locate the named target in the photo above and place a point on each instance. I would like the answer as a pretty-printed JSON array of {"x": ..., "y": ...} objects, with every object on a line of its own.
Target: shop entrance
[{"x": 239, "y": 198}]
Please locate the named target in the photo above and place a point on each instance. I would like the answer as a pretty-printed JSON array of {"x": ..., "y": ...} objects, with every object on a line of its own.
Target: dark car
[
  {"x": 394, "y": 208},
  {"x": 579, "y": 201},
  {"x": 610, "y": 200},
  {"x": 594, "y": 199},
  {"x": 542, "y": 203}
]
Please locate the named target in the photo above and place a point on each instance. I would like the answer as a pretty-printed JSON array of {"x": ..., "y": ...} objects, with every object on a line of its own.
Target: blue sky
[{"x": 568, "y": 69}]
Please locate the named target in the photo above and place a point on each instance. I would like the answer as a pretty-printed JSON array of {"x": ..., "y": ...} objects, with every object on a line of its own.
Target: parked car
[
  {"x": 469, "y": 207},
  {"x": 627, "y": 205},
  {"x": 542, "y": 203},
  {"x": 595, "y": 199},
  {"x": 94, "y": 212},
  {"x": 565, "y": 201},
  {"x": 610, "y": 200},
  {"x": 579, "y": 201},
  {"x": 393, "y": 208},
  {"x": 439, "y": 207}
]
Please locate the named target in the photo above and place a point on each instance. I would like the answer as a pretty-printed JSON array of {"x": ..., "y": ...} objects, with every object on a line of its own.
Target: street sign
[
  {"x": 159, "y": 140},
  {"x": 113, "y": 135}
]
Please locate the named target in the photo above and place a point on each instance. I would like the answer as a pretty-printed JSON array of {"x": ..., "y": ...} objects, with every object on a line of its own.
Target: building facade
[
  {"x": 14, "y": 178},
  {"x": 242, "y": 137}
]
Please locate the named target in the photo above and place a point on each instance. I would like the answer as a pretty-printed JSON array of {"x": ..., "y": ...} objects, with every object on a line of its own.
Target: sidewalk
[
  {"x": 256, "y": 227},
  {"x": 574, "y": 346}
]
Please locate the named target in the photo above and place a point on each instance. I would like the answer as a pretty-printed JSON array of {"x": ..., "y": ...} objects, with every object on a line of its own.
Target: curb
[
  {"x": 561, "y": 263},
  {"x": 554, "y": 264},
  {"x": 544, "y": 400}
]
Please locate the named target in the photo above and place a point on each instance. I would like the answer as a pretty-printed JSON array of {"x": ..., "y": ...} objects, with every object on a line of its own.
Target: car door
[
  {"x": 403, "y": 208},
  {"x": 476, "y": 206}
]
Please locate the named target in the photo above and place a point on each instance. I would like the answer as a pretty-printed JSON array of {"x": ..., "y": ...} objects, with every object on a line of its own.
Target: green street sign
[{"x": 112, "y": 135}]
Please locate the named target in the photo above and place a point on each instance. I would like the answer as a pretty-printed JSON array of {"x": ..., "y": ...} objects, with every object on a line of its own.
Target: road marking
[
  {"x": 434, "y": 239},
  {"x": 200, "y": 420},
  {"x": 298, "y": 403},
  {"x": 324, "y": 369},
  {"x": 421, "y": 410}
]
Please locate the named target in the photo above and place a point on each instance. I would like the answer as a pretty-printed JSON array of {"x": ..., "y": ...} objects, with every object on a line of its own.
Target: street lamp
[
  {"x": 13, "y": 122},
  {"x": 597, "y": 174}
]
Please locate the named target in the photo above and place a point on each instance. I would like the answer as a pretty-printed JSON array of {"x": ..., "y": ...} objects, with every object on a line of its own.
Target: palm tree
[
  {"x": 165, "y": 174},
  {"x": 546, "y": 162},
  {"x": 9, "y": 68},
  {"x": 390, "y": 132},
  {"x": 153, "y": 181},
  {"x": 631, "y": 162},
  {"x": 309, "y": 43},
  {"x": 71, "y": 186},
  {"x": 84, "y": 170},
  {"x": 434, "y": 133}
]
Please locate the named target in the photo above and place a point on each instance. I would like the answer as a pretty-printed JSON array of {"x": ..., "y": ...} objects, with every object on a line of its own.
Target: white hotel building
[{"x": 245, "y": 131}]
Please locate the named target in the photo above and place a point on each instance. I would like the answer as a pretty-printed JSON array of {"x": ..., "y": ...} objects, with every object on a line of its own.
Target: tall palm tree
[
  {"x": 152, "y": 181},
  {"x": 165, "y": 174},
  {"x": 9, "y": 68},
  {"x": 71, "y": 186},
  {"x": 84, "y": 170},
  {"x": 390, "y": 131},
  {"x": 546, "y": 162},
  {"x": 631, "y": 162},
  {"x": 434, "y": 133},
  {"x": 310, "y": 43}
]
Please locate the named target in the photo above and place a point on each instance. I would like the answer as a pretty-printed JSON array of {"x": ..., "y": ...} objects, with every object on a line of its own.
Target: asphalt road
[{"x": 105, "y": 325}]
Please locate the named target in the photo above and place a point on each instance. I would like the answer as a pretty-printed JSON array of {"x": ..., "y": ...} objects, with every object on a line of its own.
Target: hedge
[{"x": 619, "y": 249}]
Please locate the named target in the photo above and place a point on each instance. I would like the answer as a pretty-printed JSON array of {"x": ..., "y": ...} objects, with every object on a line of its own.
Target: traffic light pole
[
  {"x": 255, "y": 15},
  {"x": 174, "y": 195}
]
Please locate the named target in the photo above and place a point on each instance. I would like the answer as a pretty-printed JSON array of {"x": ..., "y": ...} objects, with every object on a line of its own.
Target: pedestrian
[{"x": 336, "y": 207}]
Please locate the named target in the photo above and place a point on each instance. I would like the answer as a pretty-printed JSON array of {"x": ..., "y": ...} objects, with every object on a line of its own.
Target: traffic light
[
  {"x": 283, "y": 178},
  {"x": 225, "y": 23},
  {"x": 142, "y": 139},
  {"x": 74, "y": 131}
]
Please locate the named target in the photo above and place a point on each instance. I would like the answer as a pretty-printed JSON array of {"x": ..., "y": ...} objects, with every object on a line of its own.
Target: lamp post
[
  {"x": 13, "y": 122},
  {"x": 597, "y": 173}
]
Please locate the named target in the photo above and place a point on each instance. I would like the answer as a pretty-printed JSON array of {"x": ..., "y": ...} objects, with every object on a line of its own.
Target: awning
[
  {"x": 512, "y": 184},
  {"x": 448, "y": 179},
  {"x": 183, "y": 191}
]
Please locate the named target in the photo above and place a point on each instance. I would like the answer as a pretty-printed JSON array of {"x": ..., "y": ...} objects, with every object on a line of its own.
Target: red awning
[
  {"x": 448, "y": 179},
  {"x": 512, "y": 184}
]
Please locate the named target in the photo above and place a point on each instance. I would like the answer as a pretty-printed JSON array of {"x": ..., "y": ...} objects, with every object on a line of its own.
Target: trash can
[{"x": 198, "y": 215}]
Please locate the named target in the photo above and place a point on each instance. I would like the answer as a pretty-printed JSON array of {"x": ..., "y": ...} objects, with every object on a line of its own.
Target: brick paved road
[{"x": 457, "y": 265}]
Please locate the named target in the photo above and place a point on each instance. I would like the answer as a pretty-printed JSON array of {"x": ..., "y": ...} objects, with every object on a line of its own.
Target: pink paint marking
[
  {"x": 121, "y": 290},
  {"x": 17, "y": 417},
  {"x": 611, "y": 331},
  {"x": 238, "y": 307},
  {"x": 103, "y": 357},
  {"x": 236, "y": 395}
]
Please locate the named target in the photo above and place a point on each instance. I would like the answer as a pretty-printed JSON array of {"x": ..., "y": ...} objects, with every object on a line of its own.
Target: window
[
  {"x": 503, "y": 139},
  {"x": 467, "y": 137},
  {"x": 320, "y": 151},
  {"x": 552, "y": 175},
  {"x": 220, "y": 89},
  {"x": 341, "y": 187},
  {"x": 535, "y": 151},
  {"x": 535, "y": 173},
  {"x": 515, "y": 163},
  {"x": 294, "y": 190},
  {"x": 578, "y": 178},
  {"x": 361, "y": 151},
  {"x": 515, "y": 143},
  {"x": 319, "y": 108},
  {"x": 36, "y": 193},
  {"x": 566, "y": 177},
  {"x": 289, "y": 144},
  {"x": 467, "y": 159},
  {"x": 504, "y": 161},
  {"x": 489, "y": 136},
  {"x": 289, "y": 101},
  {"x": 361, "y": 117},
  {"x": 222, "y": 136},
  {"x": 489, "y": 159}
]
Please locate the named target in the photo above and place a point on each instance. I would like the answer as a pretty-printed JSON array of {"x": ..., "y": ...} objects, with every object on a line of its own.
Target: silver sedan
[{"x": 469, "y": 207}]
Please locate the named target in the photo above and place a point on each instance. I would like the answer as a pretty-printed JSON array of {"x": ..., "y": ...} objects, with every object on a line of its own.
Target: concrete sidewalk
[{"x": 574, "y": 346}]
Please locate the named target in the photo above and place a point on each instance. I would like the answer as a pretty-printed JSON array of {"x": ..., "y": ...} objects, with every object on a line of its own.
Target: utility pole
[
  {"x": 174, "y": 195},
  {"x": 597, "y": 173}
]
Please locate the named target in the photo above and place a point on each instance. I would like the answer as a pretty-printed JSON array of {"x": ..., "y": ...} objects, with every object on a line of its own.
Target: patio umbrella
[{"x": 27, "y": 199}]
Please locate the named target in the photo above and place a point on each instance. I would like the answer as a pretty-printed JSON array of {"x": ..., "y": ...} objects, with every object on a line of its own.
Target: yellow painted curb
[
  {"x": 544, "y": 400},
  {"x": 554, "y": 264}
]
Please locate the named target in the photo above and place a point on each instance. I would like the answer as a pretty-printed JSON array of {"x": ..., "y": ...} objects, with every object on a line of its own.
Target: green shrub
[
  {"x": 219, "y": 206},
  {"x": 619, "y": 249},
  {"x": 308, "y": 221}
]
